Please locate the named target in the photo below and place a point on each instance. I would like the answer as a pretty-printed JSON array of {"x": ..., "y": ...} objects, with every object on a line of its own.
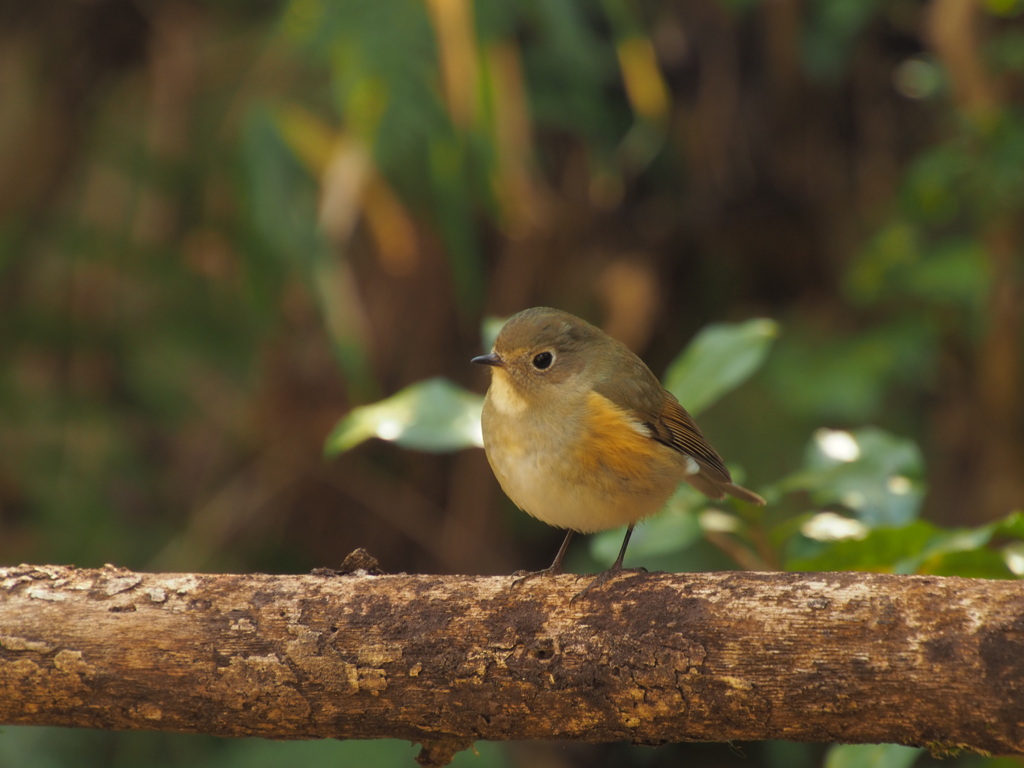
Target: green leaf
[
  {"x": 1013, "y": 557},
  {"x": 919, "y": 547},
  {"x": 970, "y": 564},
  {"x": 871, "y": 756},
  {"x": 1011, "y": 526},
  {"x": 432, "y": 415},
  {"x": 873, "y": 473},
  {"x": 720, "y": 358},
  {"x": 883, "y": 550}
]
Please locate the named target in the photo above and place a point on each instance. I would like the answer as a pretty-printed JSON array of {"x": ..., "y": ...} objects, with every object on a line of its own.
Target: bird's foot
[
  {"x": 520, "y": 576},
  {"x": 603, "y": 578}
]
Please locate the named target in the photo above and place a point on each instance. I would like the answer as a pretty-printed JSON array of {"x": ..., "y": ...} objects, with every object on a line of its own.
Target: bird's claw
[
  {"x": 520, "y": 576},
  {"x": 603, "y": 578}
]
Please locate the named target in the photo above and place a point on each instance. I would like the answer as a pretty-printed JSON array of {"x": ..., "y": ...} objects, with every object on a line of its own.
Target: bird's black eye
[{"x": 542, "y": 360}]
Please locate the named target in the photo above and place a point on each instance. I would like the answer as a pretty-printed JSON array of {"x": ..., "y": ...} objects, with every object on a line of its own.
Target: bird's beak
[{"x": 491, "y": 359}]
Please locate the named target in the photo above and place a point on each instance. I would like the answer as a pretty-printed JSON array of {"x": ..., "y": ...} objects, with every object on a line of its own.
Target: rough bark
[{"x": 446, "y": 660}]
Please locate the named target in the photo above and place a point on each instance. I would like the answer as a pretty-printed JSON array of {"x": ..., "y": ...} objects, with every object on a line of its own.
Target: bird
[{"x": 581, "y": 434}]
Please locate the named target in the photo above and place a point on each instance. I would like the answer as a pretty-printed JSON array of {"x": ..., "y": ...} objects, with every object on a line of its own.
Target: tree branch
[{"x": 446, "y": 660}]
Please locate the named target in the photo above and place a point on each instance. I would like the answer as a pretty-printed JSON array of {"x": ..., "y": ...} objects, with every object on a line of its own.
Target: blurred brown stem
[{"x": 991, "y": 426}]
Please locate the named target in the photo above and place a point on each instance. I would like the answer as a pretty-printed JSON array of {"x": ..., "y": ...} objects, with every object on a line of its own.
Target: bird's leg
[
  {"x": 552, "y": 570},
  {"x": 556, "y": 564},
  {"x": 615, "y": 570},
  {"x": 617, "y": 565}
]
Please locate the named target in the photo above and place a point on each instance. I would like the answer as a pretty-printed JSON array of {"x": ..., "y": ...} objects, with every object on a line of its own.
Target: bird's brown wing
[
  {"x": 638, "y": 391},
  {"x": 676, "y": 428}
]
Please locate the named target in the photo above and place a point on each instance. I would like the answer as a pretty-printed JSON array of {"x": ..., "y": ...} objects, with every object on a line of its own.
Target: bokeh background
[{"x": 225, "y": 225}]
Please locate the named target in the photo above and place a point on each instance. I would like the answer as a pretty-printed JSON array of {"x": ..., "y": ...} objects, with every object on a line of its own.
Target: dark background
[{"x": 223, "y": 225}]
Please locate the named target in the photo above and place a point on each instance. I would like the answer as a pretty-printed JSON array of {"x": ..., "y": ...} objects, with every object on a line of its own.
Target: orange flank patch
[{"x": 616, "y": 443}]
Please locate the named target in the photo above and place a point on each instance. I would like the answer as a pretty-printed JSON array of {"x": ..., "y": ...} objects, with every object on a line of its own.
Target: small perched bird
[{"x": 581, "y": 434}]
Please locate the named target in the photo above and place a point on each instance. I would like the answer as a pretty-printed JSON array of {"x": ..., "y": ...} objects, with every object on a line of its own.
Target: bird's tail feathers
[{"x": 717, "y": 489}]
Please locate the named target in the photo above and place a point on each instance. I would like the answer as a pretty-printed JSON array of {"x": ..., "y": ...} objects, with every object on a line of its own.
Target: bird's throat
[{"x": 503, "y": 395}]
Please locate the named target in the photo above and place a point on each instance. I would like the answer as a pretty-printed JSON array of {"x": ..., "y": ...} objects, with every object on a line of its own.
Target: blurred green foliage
[
  {"x": 229, "y": 228},
  {"x": 433, "y": 415},
  {"x": 871, "y": 756},
  {"x": 719, "y": 358}
]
